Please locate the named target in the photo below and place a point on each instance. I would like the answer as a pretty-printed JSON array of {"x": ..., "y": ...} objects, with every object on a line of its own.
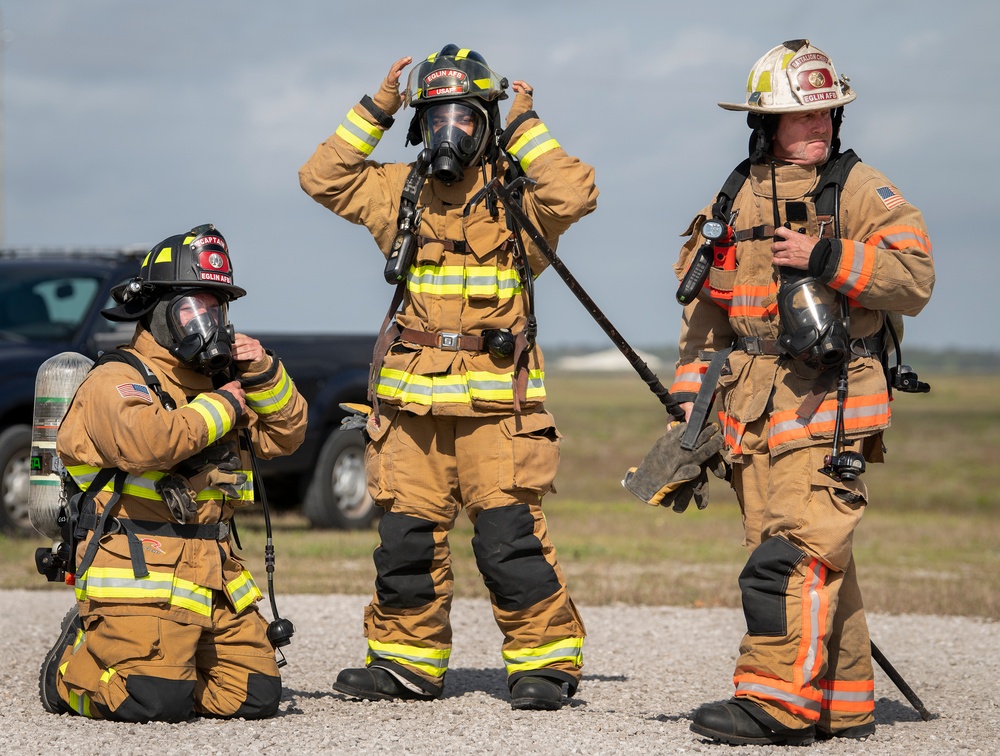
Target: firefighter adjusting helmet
[
  {"x": 198, "y": 259},
  {"x": 455, "y": 95},
  {"x": 793, "y": 77}
]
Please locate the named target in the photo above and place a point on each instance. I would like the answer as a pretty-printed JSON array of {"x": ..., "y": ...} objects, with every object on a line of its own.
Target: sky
[{"x": 127, "y": 121}]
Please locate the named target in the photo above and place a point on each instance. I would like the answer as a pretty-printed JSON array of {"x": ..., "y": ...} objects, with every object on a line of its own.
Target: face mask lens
[
  {"x": 455, "y": 127},
  {"x": 197, "y": 314}
]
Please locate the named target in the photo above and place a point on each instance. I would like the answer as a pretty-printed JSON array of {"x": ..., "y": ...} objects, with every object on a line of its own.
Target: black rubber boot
[
  {"x": 374, "y": 684},
  {"x": 47, "y": 691},
  {"x": 537, "y": 693},
  {"x": 858, "y": 732},
  {"x": 732, "y": 723}
]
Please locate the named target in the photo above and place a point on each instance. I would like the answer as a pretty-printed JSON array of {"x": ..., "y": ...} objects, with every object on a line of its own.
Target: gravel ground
[{"x": 647, "y": 669}]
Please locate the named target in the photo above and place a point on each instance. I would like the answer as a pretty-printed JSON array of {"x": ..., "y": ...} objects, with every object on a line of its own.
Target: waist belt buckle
[
  {"x": 450, "y": 341},
  {"x": 751, "y": 345},
  {"x": 223, "y": 532}
]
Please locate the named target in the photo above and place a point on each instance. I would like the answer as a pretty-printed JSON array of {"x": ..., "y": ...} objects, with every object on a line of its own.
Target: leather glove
[
  {"x": 178, "y": 496},
  {"x": 667, "y": 467},
  {"x": 222, "y": 464},
  {"x": 357, "y": 418},
  {"x": 681, "y": 497}
]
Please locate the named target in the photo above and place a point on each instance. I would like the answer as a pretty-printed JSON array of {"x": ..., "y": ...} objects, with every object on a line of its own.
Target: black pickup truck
[{"x": 50, "y": 302}]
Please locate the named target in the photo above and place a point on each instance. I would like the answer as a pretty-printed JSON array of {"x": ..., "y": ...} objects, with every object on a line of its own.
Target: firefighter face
[
  {"x": 455, "y": 132},
  {"x": 202, "y": 334},
  {"x": 803, "y": 138}
]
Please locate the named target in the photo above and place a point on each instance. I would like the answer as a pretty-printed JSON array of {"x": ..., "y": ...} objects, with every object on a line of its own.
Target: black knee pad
[
  {"x": 154, "y": 699},
  {"x": 764, "y": 581},
  {"x": 263, "y": 695},
  {"x": 509, "y": 556},
  {"x": 403, "y": 561}
]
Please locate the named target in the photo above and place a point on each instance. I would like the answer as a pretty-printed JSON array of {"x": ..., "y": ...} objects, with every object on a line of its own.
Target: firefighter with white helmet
[
  {"x": 811, "y": 255},
  {"x": 156, "y": 442},
  {"x": 458, "y": 383}
]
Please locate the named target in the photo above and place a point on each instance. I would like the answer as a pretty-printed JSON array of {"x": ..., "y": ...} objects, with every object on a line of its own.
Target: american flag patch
[
  {"x": 134, "y": 389},
  {"x": 890, "y": 197}
]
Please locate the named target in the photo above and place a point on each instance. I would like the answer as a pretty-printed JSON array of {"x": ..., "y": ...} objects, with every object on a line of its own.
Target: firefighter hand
[
  {"x": 388, "y": 97},
  {"x": 248, "y": 351},
  {"x": 176, "y": 492},
  {"x": 522, "y": 101},
  {"x": 792, "y": 249},
  {"x": 236, "y": 390},
  {"x": 667, "y": 466}
]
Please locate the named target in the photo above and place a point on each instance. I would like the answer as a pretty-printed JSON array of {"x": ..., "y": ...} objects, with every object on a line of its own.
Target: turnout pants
[
  {"x": 141, "y": 668},
  {"x": 806, "y": 657},
  {"x": 423, "y": 470}
]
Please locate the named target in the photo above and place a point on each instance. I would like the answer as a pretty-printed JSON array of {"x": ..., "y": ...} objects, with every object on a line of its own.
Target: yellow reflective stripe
[
  {"x": 108, "y": 674},
  {"x": 121, "y": 583},
  {"x": 358, "y": 133},
  {"x": 273, "y": 399},
  {"x": 522, "y": 659},
  {"x": 452, "y": 389},
  {"x": 430, "y": 661},
  {"x": 141, "y": 486},
  {"x": 80, "y": 703},
  {"x": 243, "y": 591},
  {"x": 532, "y": 143},
  {"x": 458, "y": 280},
  {"x": 144, "y": 486},
  {"x": 213, "y": 412}
]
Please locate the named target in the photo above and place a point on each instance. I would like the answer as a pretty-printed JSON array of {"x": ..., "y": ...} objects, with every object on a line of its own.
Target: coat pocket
[{"x": 531, "y": 458}]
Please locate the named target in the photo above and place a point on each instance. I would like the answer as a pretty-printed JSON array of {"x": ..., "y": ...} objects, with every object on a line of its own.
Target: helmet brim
[
  {"x": 135, "y": 308},
  {"x": 796, "y": 108}
]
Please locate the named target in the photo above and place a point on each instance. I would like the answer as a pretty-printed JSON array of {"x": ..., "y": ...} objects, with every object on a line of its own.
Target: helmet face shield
[{"x": 460, "y": 74}]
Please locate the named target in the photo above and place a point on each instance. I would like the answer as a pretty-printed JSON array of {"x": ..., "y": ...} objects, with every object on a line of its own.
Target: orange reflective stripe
[
  {"x": 848, "y": 695},
  {"x": 860, "y": 412},
  {"x": 857, "y": 261},
  {"x": 901, "y": 237},
  {"x": 687, "y": 378},
  {"x": 732, "y": 432},
  {"x": 805, "y": 702},
  {"x": 812, "y": 642},
  {"x": 748, "y": 300}
]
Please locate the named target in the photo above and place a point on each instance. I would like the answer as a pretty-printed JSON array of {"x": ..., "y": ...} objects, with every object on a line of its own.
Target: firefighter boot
[
  {"x": 538, "y": 693},
  {"x": 858, "y": 732},
  {"x": 739, "y": 722},
  {"x": 49, "y": 672},
  {"x": 375, "y": 684}
]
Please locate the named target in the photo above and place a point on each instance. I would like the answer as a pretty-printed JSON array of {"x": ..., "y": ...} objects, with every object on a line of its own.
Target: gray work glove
[
  {"x": 220, "y": 464},
  {"x": 357, "y": 416},
  {"x": 671, "y": 476}
]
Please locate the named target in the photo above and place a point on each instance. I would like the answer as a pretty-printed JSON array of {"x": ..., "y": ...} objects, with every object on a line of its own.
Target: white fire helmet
[{"x": 793, "y": 77}]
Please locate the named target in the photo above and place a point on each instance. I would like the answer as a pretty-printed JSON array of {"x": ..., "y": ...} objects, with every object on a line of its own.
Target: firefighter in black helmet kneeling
[
  {"x": 156, "y": 440},
  {"x": 458, "y": 384},
  {"x": 821, "y": 253}
]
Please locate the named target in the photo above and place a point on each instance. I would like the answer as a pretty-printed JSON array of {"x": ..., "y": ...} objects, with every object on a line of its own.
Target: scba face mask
[
  {"x": 200, "y": 330},
  {"x": 810, "y": 330},
  {"x": 455, "y": 133}
]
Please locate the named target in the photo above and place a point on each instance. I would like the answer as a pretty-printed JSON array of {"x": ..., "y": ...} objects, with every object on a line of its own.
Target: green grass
[{"x": 929, "y": 542}]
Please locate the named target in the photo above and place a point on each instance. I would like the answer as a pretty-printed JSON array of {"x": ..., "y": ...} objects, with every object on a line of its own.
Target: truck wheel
[
  {"x": 15, "y": 468},
  {"x": 338, "y": 493}
]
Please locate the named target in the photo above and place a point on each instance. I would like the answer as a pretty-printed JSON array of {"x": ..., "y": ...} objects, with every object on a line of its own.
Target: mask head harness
[
  {"x": 456, "y": 97},
  {"x": 181, "y": 296}
]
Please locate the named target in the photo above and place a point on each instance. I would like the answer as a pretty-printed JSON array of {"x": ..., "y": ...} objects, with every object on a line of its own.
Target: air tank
[{"x": 55, "y": 384}]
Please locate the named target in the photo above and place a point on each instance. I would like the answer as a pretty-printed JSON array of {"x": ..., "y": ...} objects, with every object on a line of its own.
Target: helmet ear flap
[{"x": 413, "y": 134}]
